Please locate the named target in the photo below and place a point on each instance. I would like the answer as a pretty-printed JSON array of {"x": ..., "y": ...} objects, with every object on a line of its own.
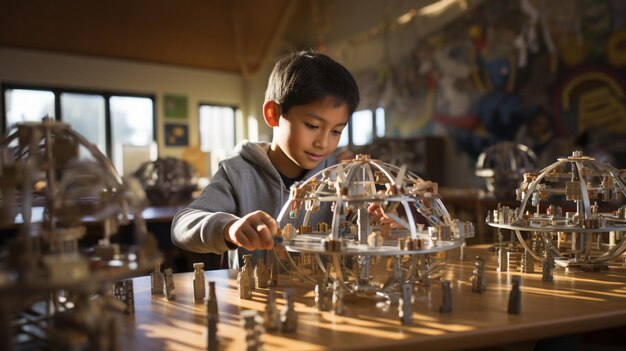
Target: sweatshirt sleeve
[{"x": 199, "y": 227}]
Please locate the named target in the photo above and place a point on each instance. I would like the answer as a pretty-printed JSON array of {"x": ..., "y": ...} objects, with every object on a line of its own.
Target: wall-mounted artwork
[
  {"x": 175, "y": 106},
  {"x": 176, "y": 134}
]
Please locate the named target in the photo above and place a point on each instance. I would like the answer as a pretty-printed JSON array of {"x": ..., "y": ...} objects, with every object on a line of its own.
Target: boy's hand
[
  {"x": 377, "y": 213},
  {"x": 254, "y": 231}
]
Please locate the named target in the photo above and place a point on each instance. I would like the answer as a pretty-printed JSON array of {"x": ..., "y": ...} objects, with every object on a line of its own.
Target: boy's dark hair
[{"x": 309, "y": 76}]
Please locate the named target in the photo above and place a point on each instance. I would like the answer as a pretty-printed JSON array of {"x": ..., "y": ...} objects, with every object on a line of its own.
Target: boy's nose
[{"x": 320, "y": 142}]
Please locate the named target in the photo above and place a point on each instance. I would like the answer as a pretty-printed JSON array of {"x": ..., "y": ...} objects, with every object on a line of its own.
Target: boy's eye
[
  {"x": 311, "y": 126},
  {"x": 337, "y": 132}
]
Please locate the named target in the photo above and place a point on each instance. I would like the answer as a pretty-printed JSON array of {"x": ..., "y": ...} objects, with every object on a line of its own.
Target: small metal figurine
[
  {"x": 446, "y": 306},
  {"x": 211, "y": 302},
  {"x": 123, "y": 291},
  {"x": 251, "y": 321},
  {"x": 502, "y": 253},
  {"x": 514, "y": 260},
  {"x": 273, "y": 271},
  {"x": 338, "y": 305},
  {"x": 479, "y": 277},
  {"x": 288, "y": 232},
  {"x": 245, "y": 278},
  {"x": 547, "y": 267},
  {"x": 243, "y": 285},
  {"x": 199, "y": 290},
  {"x": 271, "y": 316},
  {"x": 321, "y": 298},
  {"x": 156, "y": 281},
  {"x": 528, "y": 262},
  {"x": 515, "y": 297},
  {"x": 212, "y": 341},
  {"x": 261, "y": 275},
  {"x": 405, "y": 306},
  {"x": 288, "y": 316},
  {"x": 170, "y": 289}
]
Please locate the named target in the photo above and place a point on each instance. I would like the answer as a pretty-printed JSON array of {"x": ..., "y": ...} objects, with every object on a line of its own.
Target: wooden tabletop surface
[{"x": 574, "y": 302}]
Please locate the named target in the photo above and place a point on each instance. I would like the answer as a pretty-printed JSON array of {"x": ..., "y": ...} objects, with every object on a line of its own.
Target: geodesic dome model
[
  {"x": 351, "y": 188},
  {"x": 167, "y": 181},
  {"x": 503, "y": 164},
  {"x": 573, "y": 210},
  {"x": 52, "y": 179}
]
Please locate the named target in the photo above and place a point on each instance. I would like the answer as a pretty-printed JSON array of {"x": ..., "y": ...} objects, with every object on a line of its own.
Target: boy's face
[{"x": 307, "y": 135}]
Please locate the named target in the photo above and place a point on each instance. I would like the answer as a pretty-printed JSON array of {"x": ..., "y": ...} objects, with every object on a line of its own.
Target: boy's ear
[{"x": 271, "y": 113}]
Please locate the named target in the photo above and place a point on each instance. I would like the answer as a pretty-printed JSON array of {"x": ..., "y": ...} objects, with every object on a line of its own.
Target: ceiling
[{"x": 226, "y": 35}]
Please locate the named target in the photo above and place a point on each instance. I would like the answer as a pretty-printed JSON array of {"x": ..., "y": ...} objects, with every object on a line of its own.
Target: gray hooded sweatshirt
[{"x": 243, "y": 183}]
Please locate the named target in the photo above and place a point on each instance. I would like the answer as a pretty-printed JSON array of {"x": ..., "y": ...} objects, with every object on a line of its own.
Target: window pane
[
  {"x": 344, "y": 140},
  {"x": 380, "y": 122},
  {"x": 362, "y": 127},
  {"x": 27, "y": 105},
  {"x": 132, "y": 127},
  {"x": 217, "y": 128},
  {"x": 85, "y": 113},
  {"x": 253, "y": 128}
]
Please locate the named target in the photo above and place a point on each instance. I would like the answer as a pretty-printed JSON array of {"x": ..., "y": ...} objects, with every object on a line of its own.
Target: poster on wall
[
  {"x": 176, "y": 134},
  {"x": 175, "y": 106}
]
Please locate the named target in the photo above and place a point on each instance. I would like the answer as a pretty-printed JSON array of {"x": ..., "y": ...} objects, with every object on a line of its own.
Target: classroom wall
[{"x": 82, "y": 72}]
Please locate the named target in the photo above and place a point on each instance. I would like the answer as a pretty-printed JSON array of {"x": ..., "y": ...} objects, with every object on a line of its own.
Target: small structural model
[
  {"x": 289, "y": 316},
  {"x": 344, "y": 248},
  {"x": 446, "y": 305},
  {"x": 253, "y": 326},
  {"x": 502, "y": 166},
  {"x": 572, "y": 211},
  {"x": 52, "y": 179},
  {"x": 515, "y": 297},
  {"x": 199, "y": 289}
]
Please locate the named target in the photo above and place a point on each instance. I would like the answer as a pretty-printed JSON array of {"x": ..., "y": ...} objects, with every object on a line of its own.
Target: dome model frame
[
  {"x": 52, "y": 292},
  {"x": 347, "y": 249},
  {"x": 502, "y": 164},
  {"x": 588, "y": 236}
]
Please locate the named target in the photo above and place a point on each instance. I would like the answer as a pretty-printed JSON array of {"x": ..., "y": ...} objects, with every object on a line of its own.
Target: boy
[{"x": 308, "y": 102}]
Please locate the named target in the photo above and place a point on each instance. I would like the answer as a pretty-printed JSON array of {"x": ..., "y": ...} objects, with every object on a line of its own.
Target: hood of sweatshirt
[{"x": 256, "y": 153}]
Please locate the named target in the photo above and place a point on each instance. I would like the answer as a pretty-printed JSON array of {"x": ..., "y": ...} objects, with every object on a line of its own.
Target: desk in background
[
  {"x": 158, "y": 222},
  {"x": 575, "y": 302}
]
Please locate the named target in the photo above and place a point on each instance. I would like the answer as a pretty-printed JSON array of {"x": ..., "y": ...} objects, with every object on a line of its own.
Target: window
[
  {"x": 121, "y": 126},
  {"x": 132, "y": 131},
  {"x": 86, "y": 114},
  {"x": 380, "y": 122},
  {"x": 22, "y": 105},
  {"x": 345, "y": 138},
  {"x": 217, "y": 131},
  {"x": 364, "y": 126}
]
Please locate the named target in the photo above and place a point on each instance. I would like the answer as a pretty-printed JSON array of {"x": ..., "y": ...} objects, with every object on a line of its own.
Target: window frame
[{"x": 106, "y": 94}]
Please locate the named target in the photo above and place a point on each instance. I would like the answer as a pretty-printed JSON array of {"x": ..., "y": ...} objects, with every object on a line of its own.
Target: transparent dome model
[
  {"x": 346, "y": 250},
  {"x": 572, "y": 211},
  {"x": 53, "y": 180},
  {"x": 503, "y": 164}
]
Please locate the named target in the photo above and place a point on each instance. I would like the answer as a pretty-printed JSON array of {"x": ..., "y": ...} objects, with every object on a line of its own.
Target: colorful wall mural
[{"x": 523, "y": 70}]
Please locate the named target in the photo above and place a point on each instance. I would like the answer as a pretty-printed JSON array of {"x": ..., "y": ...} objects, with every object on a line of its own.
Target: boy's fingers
[
  {"x": 243, "y": 241},
  {"x": 272, "y": 226},
  {"x": 270, "y": 222},
  {"x": 253, "y": 237},
  {"x": 265, "y": 236}
]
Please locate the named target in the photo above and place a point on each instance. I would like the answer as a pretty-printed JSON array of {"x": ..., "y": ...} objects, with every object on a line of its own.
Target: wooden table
[{"x": 574, "y": 302}]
